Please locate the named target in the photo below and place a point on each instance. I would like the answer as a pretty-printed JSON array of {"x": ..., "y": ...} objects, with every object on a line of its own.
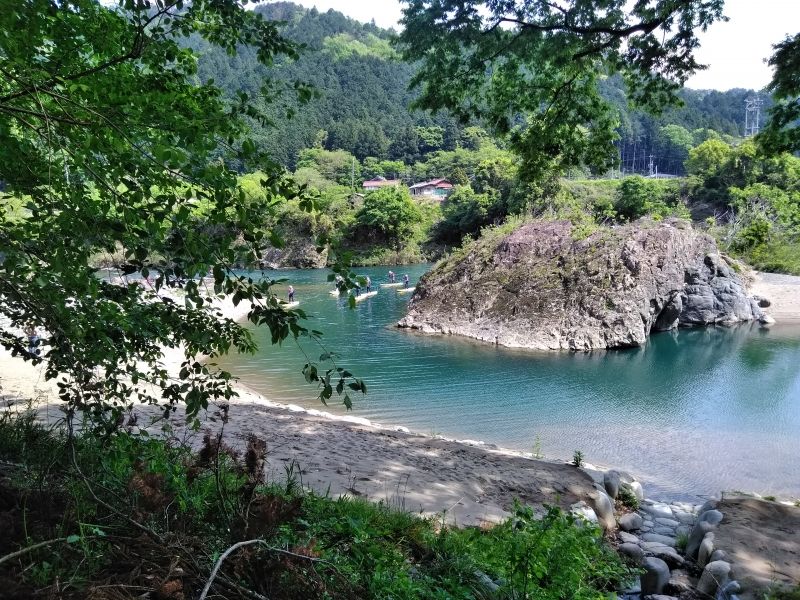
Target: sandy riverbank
[
  {"x": 783, "y": 291},
  {"x": 469, "y": 483}
]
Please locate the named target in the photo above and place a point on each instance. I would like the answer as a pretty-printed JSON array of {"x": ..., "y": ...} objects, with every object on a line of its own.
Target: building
[
  {"x": 435, "y": 189},
  {"x": 379, "y": 182}
]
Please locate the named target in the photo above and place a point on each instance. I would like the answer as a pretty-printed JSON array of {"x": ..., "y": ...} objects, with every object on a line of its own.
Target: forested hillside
[
  {"x": 362, "y": 90},
  {"x": 362, "y": 99}
]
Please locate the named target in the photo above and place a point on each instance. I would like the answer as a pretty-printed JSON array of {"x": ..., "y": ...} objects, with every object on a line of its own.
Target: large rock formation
[{"x": 540, "y": 288}]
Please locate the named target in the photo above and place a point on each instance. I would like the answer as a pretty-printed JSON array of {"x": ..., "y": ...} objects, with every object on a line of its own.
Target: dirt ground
[{"x": 762, "y": 539}]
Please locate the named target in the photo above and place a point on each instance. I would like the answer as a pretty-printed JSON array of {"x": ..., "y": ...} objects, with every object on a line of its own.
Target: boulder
[
  {"x": 684, "y": 517},
  {"x": 632, "y": 551},
  {"x": 604, "y": 508},
  {"x": 696, "y": 537},
  {"x": 762, "y": 302},
  {"x": 628, "y": 538},
  {"x": 541, "y": 288},
  {"x": 630, "y": 522},
  {"x": 657, "y": 509},
  {"x": 666, "y": 540},
  {"x": 636, "y": 489},
  {"x": 729, "y": 591},
  {"x": 611, "y": 483},
  {"x": 718, "y": 555},
  {"x": 715, "y": 575},
  {"x": 584, "y": 511},
  {"x": 705, "y": 550},
  {"x": 655, "y": 576},
  {"x": 668, "y": 555},
  {"x": 679, "y": 583},
  {"x": 712, "y": 516},
  {"x": 708, "y": 505}
]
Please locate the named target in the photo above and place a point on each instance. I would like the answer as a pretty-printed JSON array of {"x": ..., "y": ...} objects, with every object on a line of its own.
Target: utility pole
[{"x": 752, "y": 116}]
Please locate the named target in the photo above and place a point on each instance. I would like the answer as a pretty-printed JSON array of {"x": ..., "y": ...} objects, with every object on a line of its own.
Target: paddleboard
[
  {"x": 291, "y": 304},
  {"x": 406, "y": 290},
  {"x": 391, "y": 285},
  {"x": 366, "y": 295},
  {"x": 334, "y": 292}
]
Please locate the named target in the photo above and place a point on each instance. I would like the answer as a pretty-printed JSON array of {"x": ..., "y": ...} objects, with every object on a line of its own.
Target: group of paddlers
[
  {"x": 339, "y": 282},
  {"x": 392, "y": 278}
]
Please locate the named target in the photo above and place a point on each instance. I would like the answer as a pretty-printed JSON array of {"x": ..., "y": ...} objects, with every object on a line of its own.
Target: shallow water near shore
[{"x": 693, "y": 413}]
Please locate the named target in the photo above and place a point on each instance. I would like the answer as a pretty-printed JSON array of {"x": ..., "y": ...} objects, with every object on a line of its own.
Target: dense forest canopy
[{"x": 363, "y": 99}]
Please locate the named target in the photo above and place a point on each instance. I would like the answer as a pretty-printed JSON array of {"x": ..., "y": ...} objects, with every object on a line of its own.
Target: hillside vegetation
[{"x": 357, "y": 125}]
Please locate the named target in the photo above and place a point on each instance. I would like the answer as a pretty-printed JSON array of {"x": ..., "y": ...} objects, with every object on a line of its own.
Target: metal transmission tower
[{"x": 752, "y": 116}]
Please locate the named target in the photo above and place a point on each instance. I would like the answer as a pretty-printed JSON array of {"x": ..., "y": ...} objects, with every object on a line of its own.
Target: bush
[
  {"x": 778, "y": 256},
  {"x": 638, "y": 197}
]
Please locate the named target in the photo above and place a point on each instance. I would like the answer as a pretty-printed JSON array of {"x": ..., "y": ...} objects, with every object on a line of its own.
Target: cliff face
[
  {"x": 539, "y": 288},
  {"x": 297, "y": 254}
]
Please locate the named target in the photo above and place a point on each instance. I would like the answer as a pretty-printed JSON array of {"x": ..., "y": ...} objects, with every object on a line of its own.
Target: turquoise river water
[{"x": 695, "y": 411}]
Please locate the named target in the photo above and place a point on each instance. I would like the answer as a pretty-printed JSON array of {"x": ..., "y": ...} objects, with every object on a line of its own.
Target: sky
[{"x": 735, "y": 51}]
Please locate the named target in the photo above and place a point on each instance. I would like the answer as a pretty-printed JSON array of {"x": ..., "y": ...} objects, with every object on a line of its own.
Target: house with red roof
[{"x": 435, "y": 189}]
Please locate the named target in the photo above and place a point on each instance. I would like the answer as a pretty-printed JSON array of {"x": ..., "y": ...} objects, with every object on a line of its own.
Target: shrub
[{"x": 627, "y": 498}]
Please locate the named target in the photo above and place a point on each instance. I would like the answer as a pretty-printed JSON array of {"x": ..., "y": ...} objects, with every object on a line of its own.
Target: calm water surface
[{"x": 700, "y": 410}]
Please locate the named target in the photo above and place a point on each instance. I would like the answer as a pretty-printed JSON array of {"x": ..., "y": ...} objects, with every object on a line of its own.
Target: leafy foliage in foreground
[
  {"x": 109, "y": 146},
  {"x": 140, "y": 514},
  {"x": 533, "y": 69}
]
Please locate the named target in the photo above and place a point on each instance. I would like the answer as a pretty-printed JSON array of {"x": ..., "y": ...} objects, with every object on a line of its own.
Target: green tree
[
  {"x": 113, "y": 148},
  {"x": 638, "y": 197},
  {"x": 707, "y": 159},
  {"x": 464, "y": 214},
  {"x": 674, "y": 143},
  {"x": 388, "y": 215},
  {"x": 782, "y": 133},
  {"x": 335, "y": 165},
  {"x": 533, "y": 69}
]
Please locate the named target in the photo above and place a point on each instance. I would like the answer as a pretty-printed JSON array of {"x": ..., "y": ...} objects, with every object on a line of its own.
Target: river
[{"x": 696, "y": 411}]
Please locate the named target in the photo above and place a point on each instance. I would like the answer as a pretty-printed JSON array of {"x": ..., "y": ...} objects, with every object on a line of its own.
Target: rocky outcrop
[
  {"x": 296, "y": 254},
  {"x": 540, "y": 288}
]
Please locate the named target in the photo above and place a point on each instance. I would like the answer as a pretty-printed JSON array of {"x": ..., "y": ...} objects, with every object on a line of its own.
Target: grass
[
  {"x": 138, "y": 513},
  {"x": 682, "y": 541},
  {"x": 777, "y": 592}
]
